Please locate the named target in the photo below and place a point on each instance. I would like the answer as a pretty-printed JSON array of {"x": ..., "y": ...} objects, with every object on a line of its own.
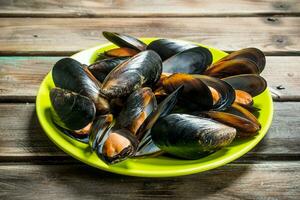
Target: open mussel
[
  {"x": 69, "y": 74},
  {"x": 118, "y": 145},
  {"x": 144, "y": 69},
  {"x": 120, "y": 52},
  {"x": 190, "y": 137},
  {"x": 101, "y": 68},
  {"x": 167, "y": 48},
  {"x": 200, "y": 92},
  {"x": 190, "y": 61},
  {"x": 139, "y": 105},
  {"x": 123, "y": 40},
  {"x": 101, "y": 126},
  {"x": 146, "y": 144},
  {"x": 72, "y": 111},
  {"x": 251, "y": 83},
  {"x": 253, "y": 54},
  {"x": 245, "y": 61}
]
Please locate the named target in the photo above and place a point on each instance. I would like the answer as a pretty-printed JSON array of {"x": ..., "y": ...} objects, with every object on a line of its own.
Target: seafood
[
  {"x": 127, "y": 41},
  {"x": 101, "y": 68},
  {"x": 71, "y": 111},
  {"x": 69, "y": 74},
  {"x": 142, "y": 69},
  {"x": 167, "y": 48},
  {"x": 190, "y": 137},
  {"x": 163, "y": 98}
]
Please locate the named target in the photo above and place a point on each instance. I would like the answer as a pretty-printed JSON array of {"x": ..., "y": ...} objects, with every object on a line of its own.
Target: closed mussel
[
  {"x": 190, "y": 137},
  {"x": 72, "y": 111},
  {"x": 69, "y": 74}
]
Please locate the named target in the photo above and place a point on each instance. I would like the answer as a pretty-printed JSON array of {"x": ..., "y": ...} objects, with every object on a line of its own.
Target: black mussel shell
[
  {"x": 190, "y": 137},
  {"x": 147, "y": 147},
  {"x": 222, "y": 69},
  {"x": 69, "y": 74},
  {"x": 119, "y": 145},
  {"x": 225, "y": 91},
  {"x": 250, "y": 83},
  {"x": 143, "y": 69},
  {"x": 253, "y": 54},
  {"x": 139, "y": 105},
  {"x": 195, "y": 93},
  {"x": 190, "y": 61},
  {"x": 71, "y": 110},
  {"x": 100, "y": 129},
  {"x": 122, "y": 40},
  {"x": 244, "y": 126},
  {"x": 101, "y": 68},
  {"x": 167, "y": 48},
  {"x": 163, "y": 109}
]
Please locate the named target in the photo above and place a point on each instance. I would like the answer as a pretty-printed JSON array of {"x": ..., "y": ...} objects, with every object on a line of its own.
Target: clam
[
  {"x": 190, "y": 137},
  {"x": 69, "y": 74},
  {"x": 143, "y": 69}
]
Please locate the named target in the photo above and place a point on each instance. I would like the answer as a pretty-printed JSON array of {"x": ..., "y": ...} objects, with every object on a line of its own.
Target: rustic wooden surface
[{"x": 35, "y": 34}]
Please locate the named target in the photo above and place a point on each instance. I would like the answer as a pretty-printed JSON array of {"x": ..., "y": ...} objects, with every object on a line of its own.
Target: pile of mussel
[{"x": 168, "y": 97}]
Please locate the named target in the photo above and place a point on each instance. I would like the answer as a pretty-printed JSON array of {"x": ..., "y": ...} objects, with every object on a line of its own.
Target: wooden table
[{"x": 35, "y": 34}]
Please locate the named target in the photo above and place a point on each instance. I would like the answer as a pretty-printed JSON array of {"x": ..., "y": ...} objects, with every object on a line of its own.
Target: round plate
[{"x": 161, "y": 166}]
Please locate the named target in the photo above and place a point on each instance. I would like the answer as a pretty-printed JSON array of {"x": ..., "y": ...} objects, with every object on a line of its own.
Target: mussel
[
  {"x": 118, "y": 145},
  {"x": 167, "y": 48},
  {"x": 101, "y": 68},
  {"x": 69, "y": 74},
  {"x": 146, "y": 145},
  {"x": 200, "y": 92},
  {"x": 123, "y": 40},
  {"x": 190, "y": 137},
  {"x": 143, "y": 69},
  {"x": 190, "y": 61},
  {"x": 245, "y": 61},
  {"x": 121, "y": 52},
  {"x": 253, "y": 54},
  {"x": 139, "y": 105},
  {"x": 72, "y": 111}
]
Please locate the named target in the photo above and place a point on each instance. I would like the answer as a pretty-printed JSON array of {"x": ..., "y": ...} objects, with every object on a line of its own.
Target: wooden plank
[
  {"x": 126, "y": 8},
  {"x": 267, "y": 180},
  {"x": 20, "y": 77},
  {"x": 21, "y": 136},
  {"x": 57, "y": 36}
]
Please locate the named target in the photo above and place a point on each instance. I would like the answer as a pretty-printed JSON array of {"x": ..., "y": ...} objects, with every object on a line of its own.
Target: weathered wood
[
  {"x": 127, "y": 8},
  {"x": 268, "y": 180},
  {"x": 20, "y": 77},
  {"x": 56, "y": 36},
  {"x": 21, "y": 135}
]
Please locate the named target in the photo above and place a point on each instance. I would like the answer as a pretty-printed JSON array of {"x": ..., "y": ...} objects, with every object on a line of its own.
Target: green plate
[{"x": 161, "y": 166}]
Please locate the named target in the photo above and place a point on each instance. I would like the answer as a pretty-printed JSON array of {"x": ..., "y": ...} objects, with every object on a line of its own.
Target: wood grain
[
  {"x": 21, "y": 136},
  {"x": 20, "y": 77},
  {"x": 57, "y": 36},
  {"x": 153, "y": 8},
  {"x": 277, "y": 180}
]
